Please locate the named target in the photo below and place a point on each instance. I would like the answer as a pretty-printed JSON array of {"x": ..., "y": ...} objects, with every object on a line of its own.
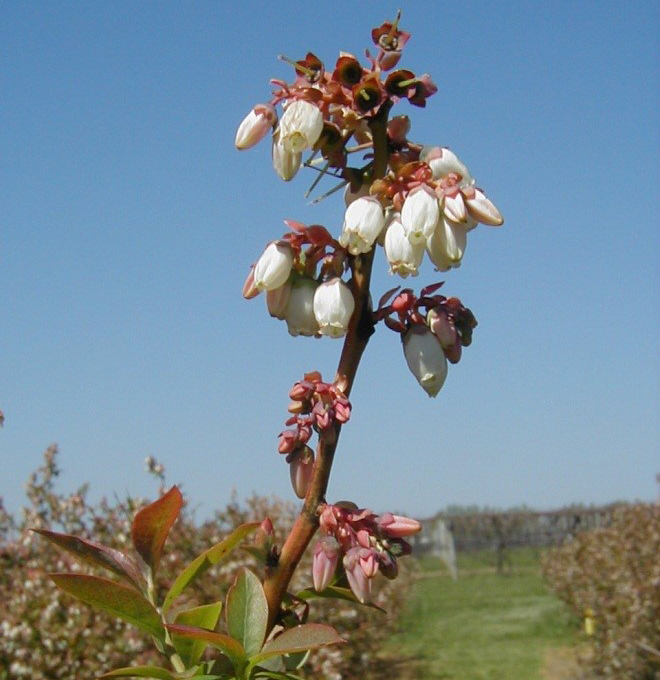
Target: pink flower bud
[
  {"x": 267, "y": 526},
  {"x": 369, "y": 562},
  {"x": 324, "y": 563},
  {"x": 397, "y": 526},
  {"x": 398, "y": 127},
  {"x": 357, "y": 580},
  {"x": 328, "y": 519},
  {"x": 302, "y": 390},
  {"x": 249, "y": 289},
  {"x": 288, "y": 441},
  {"x": 442, "y": 327},
  {"x": 255, "y": 126},
  {"x": 342, "y": 410},
  {"x": 301, "y": 469},
  {"x": 388, "y": 566}
]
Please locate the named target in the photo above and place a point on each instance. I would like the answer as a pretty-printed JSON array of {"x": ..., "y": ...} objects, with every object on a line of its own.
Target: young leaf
[
  {"x": 298, "y": 639},
  {"x": 231, "y": 648},
  {"x": 276, "y": 675},
  {"x": 140, "y": 672},
  {"x": 96, "y": 554},
  {"x": 152, "y": 524},
  {"x": 337, "y": 593},
  {"x": 206, "y": 617},
  {"x": 247, "y": 611},
  {"x": 115, "y": 598},
  {"x": 207, "y": 559}
]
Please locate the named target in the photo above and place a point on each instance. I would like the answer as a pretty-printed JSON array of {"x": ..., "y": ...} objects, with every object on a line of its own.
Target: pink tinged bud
[
  {"x": 447, "y": 244},
  {"x": 249, "y": 289},
  {"x": 342, "y": 410},
  {"x": 364, "y": 538},
  {"x": 255, "y": 126},
  {"x": 302, "y": 390},
  {"x": 404, "y": 257},
  {"x": 420, "y": 214},
  {"x": 273, "y": 267},
  {"x": 301, "y": 126},
  {"x": 333, "y": 307},
  {"x": 324, "y": 563},
  {"x": 288, "y": 441},
  {"x": 369, "y": 562},
  {"x": 442, "y": 327},
  {"x": 357, "y": 580},
  {"x": 454, "y": 208},
  {"x": 328, "y": 519},
  {"x": 301, "y": 469},
  {"x": 425, "y": 359},
  {"x": 442, "y": 161},
  {"x": 277, "y": 300},
  {"x": 389, "y": 60},
  {"x": 363, "y": 221},
  {"x": 453, "y": 352},
  {"x": 388, "y": 566},
  {"x": 286, "y": 163},
  {"x": 397, "y": 128},
  {"x": 482, "y": 209},
  {"x": 299, "y": 313},
  {"x": 397, "y": 526},
  {"x": 322, "y": 416},
  {"x": 267, "y": 527}
]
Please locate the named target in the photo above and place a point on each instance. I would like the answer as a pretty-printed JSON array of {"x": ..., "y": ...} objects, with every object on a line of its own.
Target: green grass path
[{"x": 484, "y": 626}]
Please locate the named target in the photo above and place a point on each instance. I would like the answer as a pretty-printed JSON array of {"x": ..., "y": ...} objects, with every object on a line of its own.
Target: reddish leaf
[
  {"x": 152, "y": 525},
  {"x": 115, "y": 598},
  {"x": 231, "y": 648},
  {"x": 96, "y": 554}
]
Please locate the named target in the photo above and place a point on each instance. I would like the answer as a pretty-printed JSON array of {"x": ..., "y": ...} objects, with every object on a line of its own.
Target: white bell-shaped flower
[
  {"x": 363, "y": 221},
  {"x": 404, "y": 257},
  {"x": 273, "y": 267},
  {"x": 285, "y": 162},
  {"x": 301, "y": 126},
  {"x": 425, "y": 358},
  {"x": 420, "y": 214},
  {"x": 447, "y": 244},
  {"x": 442, "y": 161},
  {"x": 333, "y": 307},
  {"x": 299, "y": 314}
]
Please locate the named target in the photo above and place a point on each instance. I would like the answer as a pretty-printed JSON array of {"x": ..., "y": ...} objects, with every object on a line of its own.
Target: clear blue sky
[{"x": 128, "y": 223}]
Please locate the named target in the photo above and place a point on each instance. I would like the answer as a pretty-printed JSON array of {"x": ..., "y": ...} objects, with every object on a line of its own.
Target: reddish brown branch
[{"x": 359, "y": 331}]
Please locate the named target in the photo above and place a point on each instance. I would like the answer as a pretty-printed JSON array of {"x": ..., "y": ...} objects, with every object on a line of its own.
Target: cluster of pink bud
[
  {"x": 323, "y": 109},
  {"x": 315, "y": 406},
  {"x": 433, "y": 329},
  {"x": 367, "y": 543}
]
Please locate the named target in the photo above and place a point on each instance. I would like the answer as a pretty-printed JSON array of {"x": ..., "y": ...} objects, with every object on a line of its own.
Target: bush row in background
[
  {"x": 47, "y": 635},
  {"x": 614, "y": 575}
]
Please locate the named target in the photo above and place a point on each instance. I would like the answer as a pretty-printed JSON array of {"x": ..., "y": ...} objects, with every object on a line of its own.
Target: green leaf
[
  {"x": 337, "y": 593},
  {"x": 206, "y": 617},
  {"x": 275, "y": 675},
  {"x": 115, "y": 598},
  {"x": 140, "y": 672},
  {"x": 298, "y": 639},
  {"x": 206, "y": 560},
  {"x": 96, "y": 554},
  {"x": 247, "y": 611},
  {"x": 152, "y": 524},
  {"x": 231, "y": 648}
]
